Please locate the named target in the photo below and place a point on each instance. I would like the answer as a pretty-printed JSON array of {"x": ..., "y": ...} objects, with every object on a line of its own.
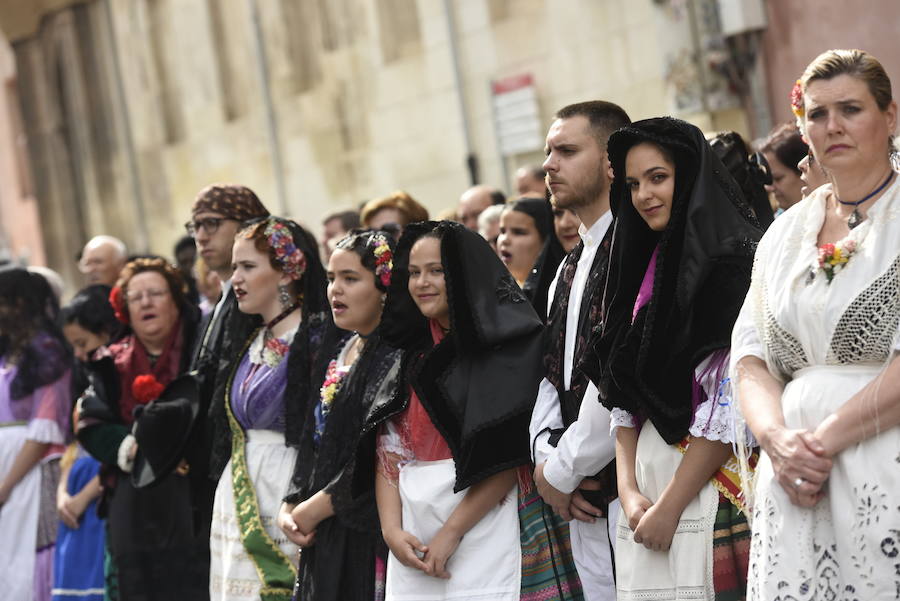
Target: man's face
[
  {"x": 575, "y": 164},
  {"x": 471, "y": 204},
  {"x": 215, "y": 247},
  {"x": 101, "y": 264}
]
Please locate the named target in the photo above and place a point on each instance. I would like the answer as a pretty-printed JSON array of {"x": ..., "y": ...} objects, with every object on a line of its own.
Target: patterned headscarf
[{"x": 231, "y": 200}]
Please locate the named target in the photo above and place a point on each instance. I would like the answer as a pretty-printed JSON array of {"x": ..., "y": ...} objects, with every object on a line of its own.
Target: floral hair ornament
[
  {"x": 117, "y": 301},
  {"x": 281, "y": 240},
  {"x": 384, "y": 258},
  {"x": 797, "y": 108}
]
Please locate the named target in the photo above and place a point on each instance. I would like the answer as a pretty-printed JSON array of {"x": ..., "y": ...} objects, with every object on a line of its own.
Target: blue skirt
[{"x": 78, "y": 563}]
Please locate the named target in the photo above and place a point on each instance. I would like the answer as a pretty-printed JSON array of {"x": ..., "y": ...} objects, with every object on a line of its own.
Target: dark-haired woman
[
  {"x": 680, "y": 268},
  {"x": 329, "y": 497},
  {"x": 88, "y": 322},
  {"x": 529, "y": 248},
  {"x": 149, "y": 530},
  {"x": 784, "y": 149},
  {"x": 446, "y": 484},
  {"x": 34, "y": 411},
  {"x": 279, "y": 284}
]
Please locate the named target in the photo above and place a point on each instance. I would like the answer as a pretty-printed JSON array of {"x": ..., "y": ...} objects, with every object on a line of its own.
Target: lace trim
[
  {"x": 620, "y": 418},
  {"x": 866, "y": 330},
  {"x": 44, "y": 431},
  {"x": 784, "y": 349}
]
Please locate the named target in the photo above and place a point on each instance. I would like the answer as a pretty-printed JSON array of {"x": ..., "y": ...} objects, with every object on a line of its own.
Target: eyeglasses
[
  {"x": 135, "y": 297},
  {"x": 210, "y": 224}
]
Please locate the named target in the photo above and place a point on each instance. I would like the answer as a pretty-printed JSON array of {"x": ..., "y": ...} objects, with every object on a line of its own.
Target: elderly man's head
[
  {"x": 102, "y": 259},
  {"x": 473, "y": 201}
]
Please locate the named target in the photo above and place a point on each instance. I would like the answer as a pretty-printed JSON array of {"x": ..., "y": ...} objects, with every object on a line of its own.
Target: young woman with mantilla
[
  {"x": 330, "y": 511},
  {"x": 446, "y": 483},
  {"x": 279, "y": 284},
  {"x": 680, "y": 267}
]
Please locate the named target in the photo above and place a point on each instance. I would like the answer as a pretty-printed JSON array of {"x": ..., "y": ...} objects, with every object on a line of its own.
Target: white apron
[
  {"x": 685, "y": 571},
  {"x": 233, "y": 574},
  {"x": 487, "y": 563},
  {"x": 18, "y": 520}
]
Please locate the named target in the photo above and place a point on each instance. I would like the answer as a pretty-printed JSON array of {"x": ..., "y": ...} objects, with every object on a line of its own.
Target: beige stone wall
[
  {"x": 20, "y": 232},
  {"x": 363, "y": 93}
]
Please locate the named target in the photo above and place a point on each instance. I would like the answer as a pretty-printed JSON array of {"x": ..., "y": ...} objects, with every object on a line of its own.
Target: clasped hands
[
  {"x": 431, "y": 558},
  {"x": 299, "y": 523},
  {"x": 569, "y": 506},
  {"x": 801, "y": 463}
]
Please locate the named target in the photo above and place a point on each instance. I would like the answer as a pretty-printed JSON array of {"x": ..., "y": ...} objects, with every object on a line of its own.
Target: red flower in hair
[
  {"x": 117, "y": 300},
  {"x": 146, "y": 388}
]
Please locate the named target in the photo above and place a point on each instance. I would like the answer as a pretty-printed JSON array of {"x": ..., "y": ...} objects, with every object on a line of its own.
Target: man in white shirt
[{"x": 571, "y": 444}]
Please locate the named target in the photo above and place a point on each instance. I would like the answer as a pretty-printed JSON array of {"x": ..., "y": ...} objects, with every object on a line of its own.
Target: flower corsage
[
  {"x": 329, "y": 390},
  {"x": 833, "y": 257}
]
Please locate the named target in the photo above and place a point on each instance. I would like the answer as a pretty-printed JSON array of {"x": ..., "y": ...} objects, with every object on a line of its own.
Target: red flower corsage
[
  {"x": 117, "y": 300},
  {"x": 146, "y": 388}
]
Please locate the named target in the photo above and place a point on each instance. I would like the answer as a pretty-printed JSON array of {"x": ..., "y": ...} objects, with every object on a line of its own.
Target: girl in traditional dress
[
  {"x": 333, "y": 494},
  {"x": 446, "y": 486},
  {"x": 680, "y": 268},
  {"x": 34, "y": 420},
  {"x": 88, "y": 322},
  {"x": 278, "y": 281},
  {"x": 815, "y": 353}
]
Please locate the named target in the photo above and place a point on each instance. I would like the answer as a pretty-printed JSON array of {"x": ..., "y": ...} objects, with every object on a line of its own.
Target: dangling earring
[
  {"x": 284, "y": 296},
  {"x": 383, "y": 299}
]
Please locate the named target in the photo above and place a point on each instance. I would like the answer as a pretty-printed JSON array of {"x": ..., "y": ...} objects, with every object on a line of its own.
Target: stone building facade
[{"x": 131, "y": 106}]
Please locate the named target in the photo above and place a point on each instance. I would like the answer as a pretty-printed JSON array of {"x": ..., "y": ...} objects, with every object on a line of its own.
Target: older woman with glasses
[{"x": 151, "y": 541}]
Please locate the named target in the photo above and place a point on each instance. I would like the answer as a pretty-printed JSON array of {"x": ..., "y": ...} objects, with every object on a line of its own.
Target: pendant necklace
[{"x": 856, "y": 217}]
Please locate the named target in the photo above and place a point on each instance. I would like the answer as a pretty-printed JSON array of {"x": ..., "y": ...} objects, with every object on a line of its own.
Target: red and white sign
[{"x": 516, "y": 114}]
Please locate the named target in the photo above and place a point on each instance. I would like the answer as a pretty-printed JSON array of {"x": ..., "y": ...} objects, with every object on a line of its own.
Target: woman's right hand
[
  {"x": 406, "y": 548},
  {"x": 800, "y": 463},
  {"x": 634, "y": 505}
]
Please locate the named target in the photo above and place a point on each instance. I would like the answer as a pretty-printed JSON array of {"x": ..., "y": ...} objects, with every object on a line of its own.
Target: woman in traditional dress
[
  {"x": 329, "y": 498},
  {"x": 680, "y": 268},
  {"x": 446, "y": 487},
  {"x": 279, "y": 284},
  {"x": 88, "y": 322},
  {"x": 34, "y": 421},
  {"x": 529, "y": 248},
  {"x": 815, "y": 354},
  {"x": 149, "y": 531}
]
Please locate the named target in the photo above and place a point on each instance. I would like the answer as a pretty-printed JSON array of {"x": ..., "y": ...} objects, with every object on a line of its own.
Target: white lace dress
[{"x": 826, "y": 341}]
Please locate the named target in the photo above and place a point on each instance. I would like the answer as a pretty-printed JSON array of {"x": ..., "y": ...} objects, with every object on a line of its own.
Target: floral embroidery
[
  {"x": 508, "y": 291},
  {"x": 384, "y": 258},
  {"x": 330, "y": 387},
  {"x": 833, "y": 257}
]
